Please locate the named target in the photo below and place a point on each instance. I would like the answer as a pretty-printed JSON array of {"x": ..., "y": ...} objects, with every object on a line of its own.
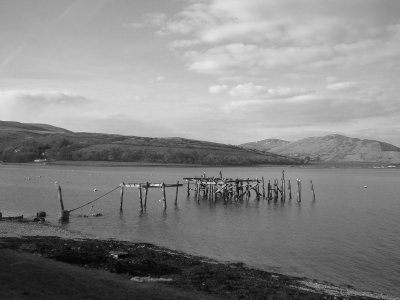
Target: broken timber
[
  {"x": 225, "y": 188},
  {"x": 146, "y": 186}
]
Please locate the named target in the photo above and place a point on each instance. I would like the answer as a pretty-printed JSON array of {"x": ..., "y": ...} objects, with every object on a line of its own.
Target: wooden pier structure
[
  {"x": 205, "y": 187},
  {"x": 146, "y": 186},
  {"x": 224, "y": 188},
  {"x": 236, "y": 189}
]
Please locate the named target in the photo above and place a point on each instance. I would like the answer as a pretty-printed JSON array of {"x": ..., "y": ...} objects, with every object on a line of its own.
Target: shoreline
[
  {"x": 148, "y": 264},
  {"x": 310, "y": 165},
  {"x": 88, "y": 163}
]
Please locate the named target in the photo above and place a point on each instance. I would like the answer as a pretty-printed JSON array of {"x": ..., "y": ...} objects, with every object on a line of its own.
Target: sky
[{"x": 228, "y": 71}]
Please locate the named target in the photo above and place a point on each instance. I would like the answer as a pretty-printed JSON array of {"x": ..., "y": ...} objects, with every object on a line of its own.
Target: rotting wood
[
  {"x": 145, "y": 194},
  {"x": 298, "y": 190},
  {"x": 176, "y": 193},
  {"x": 163, "y": 194},
  {"x": 141, "y": 199},
  {"x": 312, "y": 190},
  {"x": 121, "y": 197},
  {"x": 263, "y": 187}
]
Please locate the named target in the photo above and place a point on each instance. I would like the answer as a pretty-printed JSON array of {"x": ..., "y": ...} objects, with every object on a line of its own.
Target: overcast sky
[{"x": 229, "y": 71}]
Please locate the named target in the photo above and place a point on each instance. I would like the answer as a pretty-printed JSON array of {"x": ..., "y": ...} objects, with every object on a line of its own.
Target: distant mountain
[
  {"x": 339, "y": 148},
  {"x": 20, "y": 142},
  {"x": 265, "y": 145}
]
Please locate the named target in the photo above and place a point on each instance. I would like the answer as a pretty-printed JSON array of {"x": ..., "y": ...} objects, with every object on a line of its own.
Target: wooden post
[
  {"x": 60, "y": 197},
  {"x": 145, "y": 195},
  {"x": 213, "y": 192},
  {"x": 220, "y": 174},
  {"x": 263, "y": 187},
  {"x": 312, "y": 189},
  {"x": 176, "y": 193},
  {"x": 164, "y": 197},
  {"x": 198, "y": 191},
  {"x": 121, "y": 196},
  {"x": 140, "y": 197},
  {"x": 269, "y": 190},
  {"x": 290, "y": 189},
  {"x": 258, "y": 189},
  {"x": 188, "y": 187},
  {"x": 298, "y": 190},
  {"x": 276, "y": 190},
  {"x": 63, "y": 216}
]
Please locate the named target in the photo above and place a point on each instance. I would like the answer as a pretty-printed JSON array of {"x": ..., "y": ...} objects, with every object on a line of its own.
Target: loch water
[{"x": 349, "y": 236}]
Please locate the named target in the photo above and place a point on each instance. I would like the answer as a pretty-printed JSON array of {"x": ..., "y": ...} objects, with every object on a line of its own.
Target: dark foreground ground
[{"x": 50, "y": 267}]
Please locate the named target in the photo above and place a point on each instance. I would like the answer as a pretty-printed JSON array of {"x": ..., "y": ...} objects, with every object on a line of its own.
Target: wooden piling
[
  {"x": 276, "y": 190},
  {"x": 290, "y": 189},
  {"x": 312, "y": 189},
  {"x": 198, "y": 191},
  {"x": 263, "y": 187},
  {"x": 141, "y": 199},
  {"x": 121, "y": 196},
  {"x": 60, "y": 198},
  {"x": 269, "y": 190},
  {"x": 298, "y": 190},
  {"x": 63, "y": 216},
  {"x": 145, "y": 195},
  {"x": 258, "y": 189},
  {"x": 164, "y": 197},
  {"x": 176, "y": 193},
  {"x": 188, "y": 187}
]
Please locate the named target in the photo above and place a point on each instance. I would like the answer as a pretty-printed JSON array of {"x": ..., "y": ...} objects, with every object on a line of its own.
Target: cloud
[
  {"x": 216, "y": 89},
  {"x": 331, "y": 79},
  {"x": 32, "y": 105},
  {"x": 183, "y": 43},
  {"x": 134, "y": 25},
  {"x": 310, "y": 109},
  {"x": 158, "y": 79},
  {"x": 248, "y": 89},
  {"x": 155, "y": 19},
  {"x": 342, "y": 86},
  {"x": 74, "y": 112},
  {"x": 257, "y": 36}
]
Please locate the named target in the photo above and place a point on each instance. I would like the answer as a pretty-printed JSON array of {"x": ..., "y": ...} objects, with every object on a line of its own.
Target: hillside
[
  {"x": 21, "y": 142},
  {"x": 339, "y": 148},
  {"x": 265, "y": 145}
]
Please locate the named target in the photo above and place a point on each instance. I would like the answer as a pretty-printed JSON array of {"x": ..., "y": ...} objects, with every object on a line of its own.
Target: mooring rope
[{"x": 90, "y": 202}]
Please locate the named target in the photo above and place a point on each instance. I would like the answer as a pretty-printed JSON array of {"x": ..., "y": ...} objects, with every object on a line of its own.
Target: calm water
[{"x": 350, "y": 235}]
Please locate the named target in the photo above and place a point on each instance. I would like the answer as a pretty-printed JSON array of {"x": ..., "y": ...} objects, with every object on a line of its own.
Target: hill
[
  {"x": 265, "y": 145},
  {"x": 339, "y": 148},
  {"x": 20, "y": 142}
]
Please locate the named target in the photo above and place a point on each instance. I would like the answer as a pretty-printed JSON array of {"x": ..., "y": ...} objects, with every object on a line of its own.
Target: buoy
[
  {"x": 365, "y": 186},
  {"x": 94, "y": 190}
]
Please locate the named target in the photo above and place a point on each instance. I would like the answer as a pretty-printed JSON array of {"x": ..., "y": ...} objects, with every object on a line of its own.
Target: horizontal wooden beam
[{"x": 151, "y": 185}]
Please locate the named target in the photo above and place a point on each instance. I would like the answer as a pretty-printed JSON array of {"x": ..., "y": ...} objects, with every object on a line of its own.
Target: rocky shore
[{"x": 145, "y": 270}]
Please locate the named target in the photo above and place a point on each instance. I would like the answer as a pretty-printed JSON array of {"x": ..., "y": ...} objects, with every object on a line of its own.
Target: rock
[{"x": 41, "y": 214}]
